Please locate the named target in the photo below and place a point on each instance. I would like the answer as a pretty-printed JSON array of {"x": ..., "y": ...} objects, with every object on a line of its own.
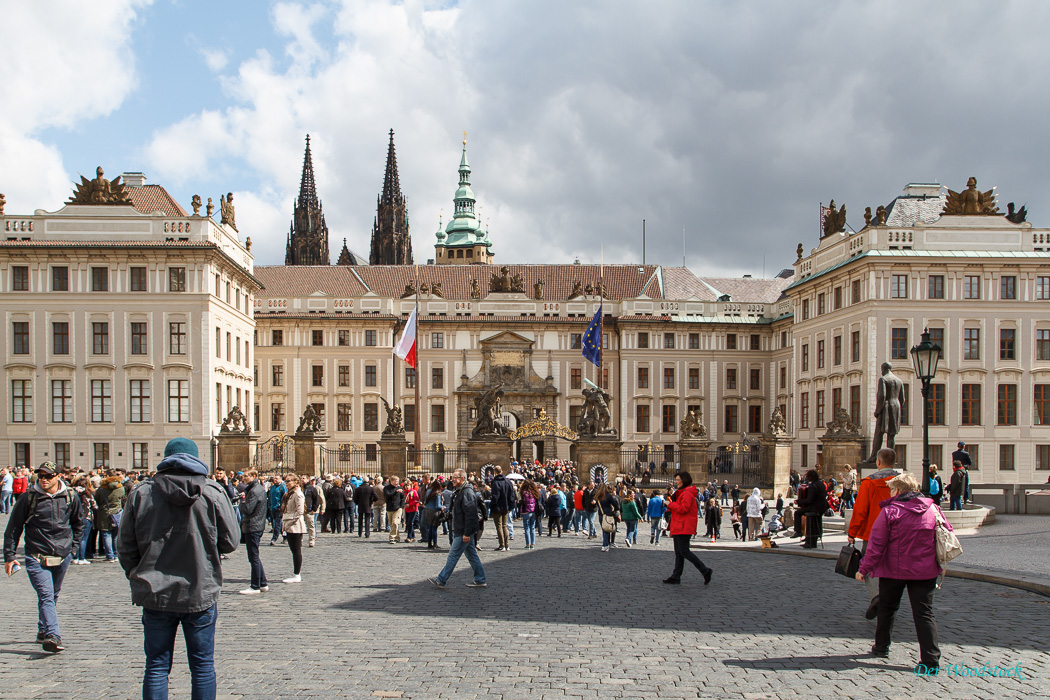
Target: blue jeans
[
  {"x": 251, "y": 546},
  {"x": 632, "y": 531},
  {"x": 588, "y": 518},
  {"x": 455, "y": 551},
  {"x": 47, "y": 582},
  {"x": 955, "y": 502},
  {"x": 410, "y": 524},
  {"x": 528, "y": 523},
  {"x": 5, "y": 501},
  {"x": 159, "y": 630},
  {"x": 82, "y": 552},
  {"x": 608, "y": 538},
  {"x": 579, "y": 520},
  {"x": 275, "y": 523},
  {"x": 107, "y": 544},
  {"x": 655, "y": 529}
]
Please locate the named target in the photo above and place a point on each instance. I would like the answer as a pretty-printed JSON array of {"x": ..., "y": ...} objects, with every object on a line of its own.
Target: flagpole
[{"x": 419, "y": 412}]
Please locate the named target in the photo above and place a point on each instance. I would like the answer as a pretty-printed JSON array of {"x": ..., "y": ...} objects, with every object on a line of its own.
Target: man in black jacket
[
  {"x": 465, "y": 523},
  {"x": 814, "y": 502},
  {"x": 253, "y": 522},
  {"x": 500, "y": 505},
  {"x": 395, "y": 506},
  {"x": 50, "y": 515},
  {"x": 311, "y": 507},
  {"x": 364, "y": 497}
]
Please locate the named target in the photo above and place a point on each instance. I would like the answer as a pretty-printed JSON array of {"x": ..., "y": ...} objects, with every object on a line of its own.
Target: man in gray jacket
[
  {"x": 465, "y": 523},
  {"x": 172, "y": 533},
  {"x": 253, "y": 522}
]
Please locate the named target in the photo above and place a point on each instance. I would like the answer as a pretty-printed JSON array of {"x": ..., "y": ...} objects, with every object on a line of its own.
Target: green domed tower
[{"x": 464, "y": 241}]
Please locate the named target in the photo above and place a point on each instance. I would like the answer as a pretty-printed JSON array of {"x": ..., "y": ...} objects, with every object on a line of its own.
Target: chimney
[{"x": 134, "y": 179}]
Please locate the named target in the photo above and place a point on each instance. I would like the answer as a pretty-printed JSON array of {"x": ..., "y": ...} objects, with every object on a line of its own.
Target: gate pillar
[{"x": 393, "y": 451}]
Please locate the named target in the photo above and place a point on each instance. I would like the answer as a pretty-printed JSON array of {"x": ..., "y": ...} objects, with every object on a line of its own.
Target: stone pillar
[
  {"x": 234, "y": 451},
  {"x": 776, "y": 465},
  {"x": 840, "y": 450},
  {"x": 393, "y": 450},
  {"x": 495, "y": 449},
  {"x": 695, "y": 458},
  {"x": 308, "y": 453},
  {"x": 603, "y": 450}
]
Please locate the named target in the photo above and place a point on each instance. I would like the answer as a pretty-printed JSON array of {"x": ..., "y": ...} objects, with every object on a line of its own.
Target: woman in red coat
[{"x": 683, "y": 527}]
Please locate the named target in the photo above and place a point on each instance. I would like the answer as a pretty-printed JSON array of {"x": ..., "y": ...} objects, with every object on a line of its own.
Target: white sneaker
[
  {"x": 605, "y": 549},
  {"x": 627, "y": 542},
  {"x": 264, "y": 588},
  {"x": 250, "y": 591},
  {"x": 294, "y": 579}
]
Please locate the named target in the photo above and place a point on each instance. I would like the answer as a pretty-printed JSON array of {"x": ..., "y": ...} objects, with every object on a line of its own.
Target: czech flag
[{"x": 406, "y": 346}]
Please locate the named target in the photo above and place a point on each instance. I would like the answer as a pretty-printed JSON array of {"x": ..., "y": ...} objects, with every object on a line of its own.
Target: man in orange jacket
[{"x": 872, "y": 492}]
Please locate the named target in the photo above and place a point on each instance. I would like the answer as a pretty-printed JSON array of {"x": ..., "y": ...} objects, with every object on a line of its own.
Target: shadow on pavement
[{"x": 827, "y": 663}]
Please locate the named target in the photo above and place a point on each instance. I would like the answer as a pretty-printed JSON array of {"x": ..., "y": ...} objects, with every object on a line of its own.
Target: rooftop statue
[
  {"x": 475, "y": 288},
  {"x": 867, "y": 216},
  {"x": 1014, "y": 217},
  {"x": 538, "y": 289},
  {"x": 577, "y": 290},
  {"x": 100, "y": 191},
  {"x": 226, "y": 209},
  {"x": 971, "y": 200},
  {"x": 410, "y": 289},
  {"x": 880, "y": 215},
  {"x": 211, "y": 208},
  {"x": 3, "y": 201},
  {"x": 504, "y": 282},
  {"x": 834, "y": 221},
  {"x": 798, "y": 252},
  {"x": 435, "y": 289},
  {"x": 196, "y": 204}
]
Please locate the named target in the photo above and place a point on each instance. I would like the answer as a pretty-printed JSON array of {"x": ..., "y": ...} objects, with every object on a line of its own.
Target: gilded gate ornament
[{"x": 542, "y": 426}]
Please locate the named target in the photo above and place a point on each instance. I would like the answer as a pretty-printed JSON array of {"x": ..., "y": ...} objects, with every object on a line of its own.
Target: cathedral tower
[
  {"x": 308, "y": 235},
  {"x": 391, "y": 243}
]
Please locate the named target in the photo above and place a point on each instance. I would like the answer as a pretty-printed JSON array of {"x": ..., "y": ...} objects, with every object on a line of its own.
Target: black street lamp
[{"x": 925, "y": 356}]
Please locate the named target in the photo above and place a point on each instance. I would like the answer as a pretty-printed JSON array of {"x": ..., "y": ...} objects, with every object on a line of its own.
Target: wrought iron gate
[{"x": 275, "y": 456}]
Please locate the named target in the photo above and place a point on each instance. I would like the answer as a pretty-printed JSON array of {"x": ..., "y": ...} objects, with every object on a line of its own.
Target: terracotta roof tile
[
  {"x": 294, "y": 281},
  {"x": 150, "y": 198}
]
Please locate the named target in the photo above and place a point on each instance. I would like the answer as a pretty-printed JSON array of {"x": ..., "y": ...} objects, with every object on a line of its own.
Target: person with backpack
[
  {"x": 50, "y": 515},
  {"x": 957, "y": 486},
  {"x": 936, "y": 486},
  {"x": 656, "y": 509},
  {"x": 552, "y": 505}
]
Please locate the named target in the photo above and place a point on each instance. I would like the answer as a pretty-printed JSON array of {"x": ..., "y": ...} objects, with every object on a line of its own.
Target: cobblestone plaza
[{"x": 564, "y": 620}]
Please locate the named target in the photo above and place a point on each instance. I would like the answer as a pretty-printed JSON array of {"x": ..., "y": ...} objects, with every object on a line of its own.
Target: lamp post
[{"x": 925, "y": 357}]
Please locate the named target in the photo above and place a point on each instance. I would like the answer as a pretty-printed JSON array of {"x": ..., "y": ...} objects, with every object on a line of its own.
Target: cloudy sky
[{"x": 730, "y": 121}]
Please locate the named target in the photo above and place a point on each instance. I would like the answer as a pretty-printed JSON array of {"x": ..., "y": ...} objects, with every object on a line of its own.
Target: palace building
[{"x": 128, "y": 321}]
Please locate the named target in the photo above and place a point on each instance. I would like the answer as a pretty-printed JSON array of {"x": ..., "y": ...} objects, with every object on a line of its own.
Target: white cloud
[{"x": 215, "y": 59}]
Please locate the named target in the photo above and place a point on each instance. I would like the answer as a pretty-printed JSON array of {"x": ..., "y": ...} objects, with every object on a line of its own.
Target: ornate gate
[
  {"x": 275, "y": 456},
  {"x": 738, "y": 462},
  {"x": 348, "y": 458}
]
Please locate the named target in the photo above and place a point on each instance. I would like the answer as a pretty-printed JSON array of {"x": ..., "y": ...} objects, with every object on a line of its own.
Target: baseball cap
[
  {"x": 962, "y": 444},
  {"x": 49, "y": 468}
]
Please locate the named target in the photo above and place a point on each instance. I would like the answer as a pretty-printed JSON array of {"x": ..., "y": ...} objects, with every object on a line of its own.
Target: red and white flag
[{"x": 406, "y": 345}]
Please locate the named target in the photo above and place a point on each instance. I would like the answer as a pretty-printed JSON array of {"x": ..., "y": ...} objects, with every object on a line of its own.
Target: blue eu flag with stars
[{"x": 592, "y": 340}]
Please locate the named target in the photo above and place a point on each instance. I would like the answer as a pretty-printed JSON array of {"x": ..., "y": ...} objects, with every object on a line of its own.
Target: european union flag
[{"x": 592, "y": 340}]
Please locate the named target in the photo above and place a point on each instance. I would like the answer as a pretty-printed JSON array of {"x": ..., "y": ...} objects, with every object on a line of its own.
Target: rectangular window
[
  {"x": 906, "y": 405},
  {"x": 731, "y": 378},
  {"x": 805, "y": 357},
  {"x": 641, "y": 420},
  {"x": 371, "y": 452},
  {"x": 278, "y": 375},
  {"x": 218, "y": 343},
  {"x": 855, "y": 292},
  {"x": 437, "y": 340},
  {"x": 821, "y": 307},
  {"x": 140, "y": 455},
  {"x": 1006, "y": 343},
  {"x": 60, "y": 279},
  {"x": 100, "y": 279},
  {"x": 756, "y": 341},
  {"x": 317, "y": 375},
  {"x": 854, "y": 342},
  {"x": 670, "y": 421},
  {"x": 694, "y": 377},
  {"x": 21, "y": 401},
  {"x": 971, "y": 343},
  {"x": 898, "y": 343},
  {"x": 20, "y": 337},
  {"x": 1042, "y": 404},
  {"x": 899, "y": 287},
  {"x": 100, "y": 451},
  {"x": 410, "y": 377},
  {"x": 61, "y": 401},
  {"x": 228, "y": 342},
  {"x": 437, "y": 418},
  {"x": 836, "y": 400},
  {"x": 19, "y": 278},
  {"x": 937, "y": 336},
  {"x": 1008, "y": 287},
  {"x": 342, "y": 417},
  {"x": 731, "y": 418},
  {"x": 575, "y": 341},
  {"x": 643, "y": 377},
  {"x": 756, "y": 380},
  {"x": 23, "y": 457},
  {"x": 972, "y": 287},
  {"x": 100, "y": 338},
  {"x": 410, "y": 418},
  {"x": 854, "y": 404},
  {"x": 838, "y": 298},
  {"x": 344, "y": 338},
  {"x": 370, "y": 375},
  {"x": 62, "y": 455},
  {"x": 237, "y": 345},
  {"x": 176, "y": 279},
  {"x": 935, "y": 287},
  {"x": 140, "y": 401},
  {"x": 805, "y": 309},
  {"x": 276, "y": 417},
  {"x": 731, "y": 341},
  {"x": 668, "y": 341},
  {"x": 669, "y": 378},
  {"x": 1042, "y": 288},
  {"x": 316, "y": 337},
  {"x": 820, "y": 409},
  {"x": 1042, "y": 345},
  {"x": 102, "y": 401},
  {"x": 177, "y": 338},
  {"x": 783, "y": 377},
  {"x": 783, "y": 339},
  {"x": 836, "y": 350},
  {"x": 256, "y": 416},
  {"x": 754, "y": 419},
  {"x": 803, "y": 409},
  {"x": 820, "y": 354},
  {"x": 437, "y": 377},
  {"x": 138, "y": 338},
  {"x": 1006, "y": 458},
  {"x": 643, "y": 340},
  {"x": 1042, "y": 457},
  {"x": 604, "y": 381},
  {"x": 576, "y": 378},
  {"x": 370, "y": 338},
  {"x": 694, "y": 341},
  {"x": 1007, "y": 405},
  {"x": 971, "y": 404},
  {"x": 277, "y": 337},
  {"x": 178, "y": 401},
  {"x": 218, "y": 285}
]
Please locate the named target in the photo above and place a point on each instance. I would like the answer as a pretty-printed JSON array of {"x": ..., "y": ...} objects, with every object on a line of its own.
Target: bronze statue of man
[{"x": 888, "y": 403}]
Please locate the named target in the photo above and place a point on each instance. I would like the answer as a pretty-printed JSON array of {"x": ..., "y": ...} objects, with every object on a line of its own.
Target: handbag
[
  {"x": 114, "y": 518},
  {"x": 948, "y": 546},
  {"x": 848, "y": 562},
  {"x": 608, "y": 521}
]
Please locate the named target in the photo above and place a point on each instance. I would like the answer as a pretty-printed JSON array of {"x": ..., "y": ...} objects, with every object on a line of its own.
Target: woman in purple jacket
[{"x": 902, "y": 553}]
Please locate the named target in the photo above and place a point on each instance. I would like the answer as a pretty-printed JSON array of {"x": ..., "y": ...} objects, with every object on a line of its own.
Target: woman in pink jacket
[{"x": 902, "y": 553}]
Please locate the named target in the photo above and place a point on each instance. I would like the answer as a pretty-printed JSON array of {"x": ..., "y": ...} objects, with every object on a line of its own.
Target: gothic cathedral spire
[
  {"x": 308, "y": 235},
  {"x": 391, "y": 243}
]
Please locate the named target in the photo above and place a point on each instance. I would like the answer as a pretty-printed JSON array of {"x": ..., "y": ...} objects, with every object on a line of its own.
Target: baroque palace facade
[{"x": 128, "y": 321}]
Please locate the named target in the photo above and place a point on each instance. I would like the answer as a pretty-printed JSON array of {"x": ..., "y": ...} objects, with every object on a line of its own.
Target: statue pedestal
[
  {"x": 394, "y": 452},
  {"x": 495, "y": 449},
  {"x": 776, "y": 465},
  {"x": 234, "y": 451},
  {"x": 694, "y": 455},
  {"x": 599, "y": 451},
  {"x": 307, "y": 453},
  {"x": 839, "y": 451}
]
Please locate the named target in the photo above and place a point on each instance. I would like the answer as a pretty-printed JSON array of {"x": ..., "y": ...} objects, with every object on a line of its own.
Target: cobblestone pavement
[
  {"x": 563, "y": 620},
  {"x": 1013, "y": 543}
]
